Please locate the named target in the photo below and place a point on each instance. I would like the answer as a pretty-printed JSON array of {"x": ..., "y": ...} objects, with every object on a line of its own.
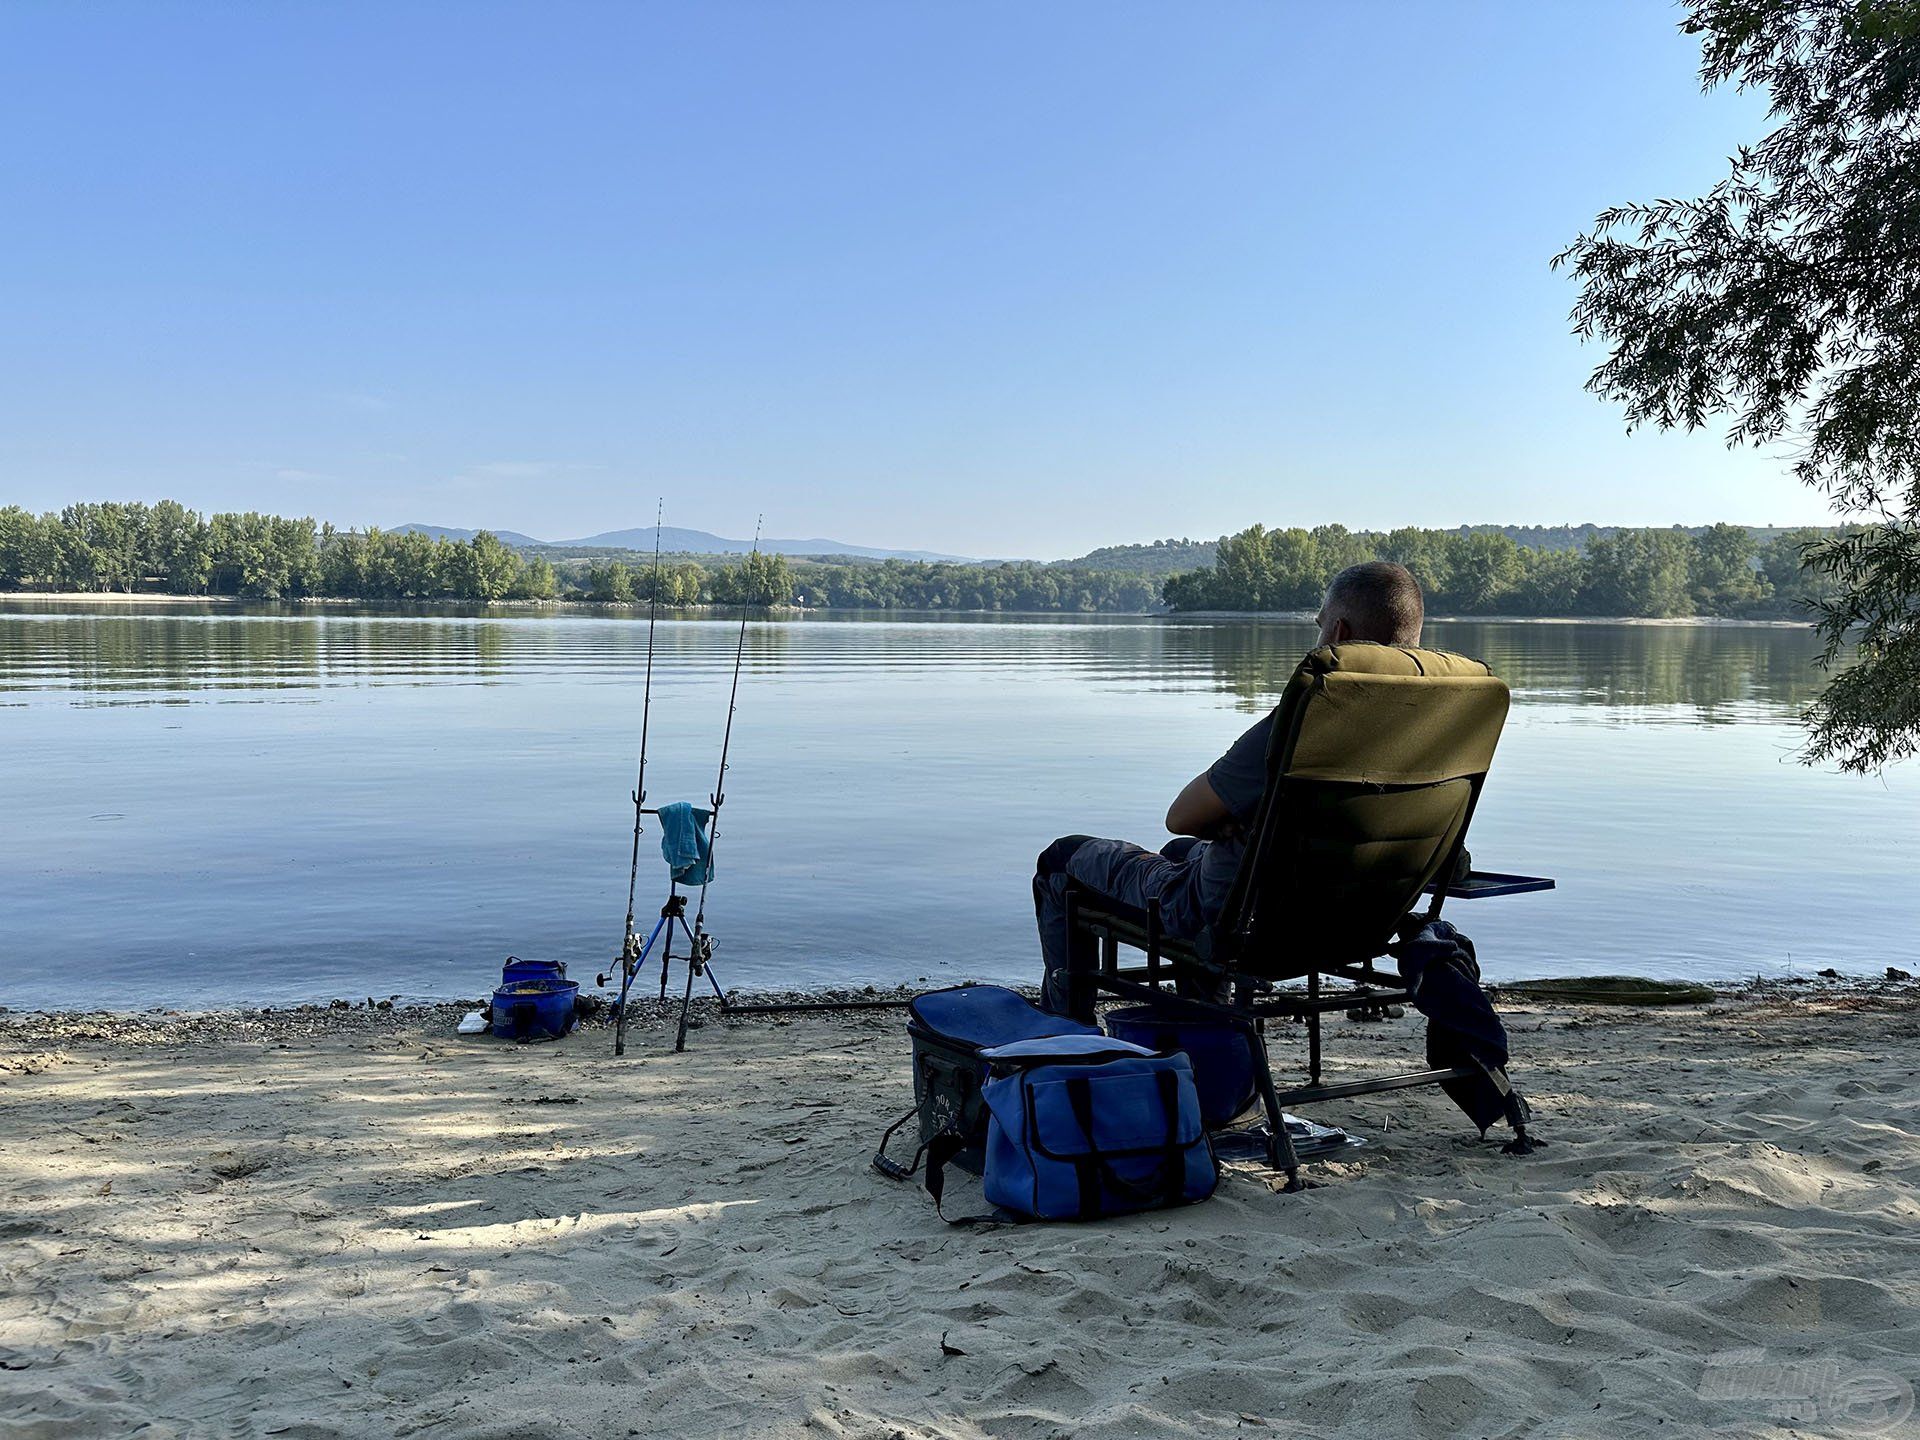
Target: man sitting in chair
[{"x": 1191, "y": 874}]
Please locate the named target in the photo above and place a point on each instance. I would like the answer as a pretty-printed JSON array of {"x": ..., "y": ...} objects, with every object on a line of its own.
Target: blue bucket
[
  {"x": 1220, "y": 1052},
  {"x": 516, "y": 970},
  {"x": 534, "y": 1009}
]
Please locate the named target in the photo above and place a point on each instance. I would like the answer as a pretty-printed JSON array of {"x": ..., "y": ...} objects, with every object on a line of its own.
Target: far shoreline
[
  {"x": 804, "y": 612},
  {"x": 1307, "y": 617}
]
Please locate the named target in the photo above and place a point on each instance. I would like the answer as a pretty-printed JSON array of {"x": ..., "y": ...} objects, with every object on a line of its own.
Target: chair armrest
[
  {"x": 1132, "y": 926},
  {"x": 1092, "y": 904},
  {"x": 1488, "y": 884}
]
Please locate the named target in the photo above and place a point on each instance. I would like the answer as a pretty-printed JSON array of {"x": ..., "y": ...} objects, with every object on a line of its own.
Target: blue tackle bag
[{"x": 1082, "y": 1126}]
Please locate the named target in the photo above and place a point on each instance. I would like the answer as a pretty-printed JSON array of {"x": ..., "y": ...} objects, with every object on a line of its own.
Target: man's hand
[{"x": 1199, "y": 811}]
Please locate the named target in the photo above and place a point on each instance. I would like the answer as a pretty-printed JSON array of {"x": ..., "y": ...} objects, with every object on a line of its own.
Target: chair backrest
[{"x": 1376, "y": 763}]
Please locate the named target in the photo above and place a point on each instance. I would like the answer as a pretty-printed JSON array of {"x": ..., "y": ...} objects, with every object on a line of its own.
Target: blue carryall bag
[{"x": 1082, "y": 1127}]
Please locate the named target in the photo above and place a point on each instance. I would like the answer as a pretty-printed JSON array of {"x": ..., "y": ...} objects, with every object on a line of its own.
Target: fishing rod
[
  {"x": 702, "y": 941},
  {"x": 631, "y": 951},
  {"x": 646, "y": 711}
]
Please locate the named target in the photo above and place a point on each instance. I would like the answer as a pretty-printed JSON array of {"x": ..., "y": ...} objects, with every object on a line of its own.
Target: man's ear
[{"x": 1342, "y": 631}]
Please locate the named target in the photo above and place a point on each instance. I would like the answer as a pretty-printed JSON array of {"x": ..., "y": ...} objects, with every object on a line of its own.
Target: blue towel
[
  {"x": 1443, "y": 980},
  {"x": 684, "y": 842}
]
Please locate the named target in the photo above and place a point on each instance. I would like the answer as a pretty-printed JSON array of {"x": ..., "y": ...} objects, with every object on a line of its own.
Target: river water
[{"x": 214, "y": 805}]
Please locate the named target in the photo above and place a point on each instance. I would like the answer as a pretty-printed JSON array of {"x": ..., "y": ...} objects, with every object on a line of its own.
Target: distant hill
[
  {"x": 1157, "y": 558},
  {"x": 700, "y": 542},
  {"x": 448, "y": 532},
  {"x": 675, "y": 540}
]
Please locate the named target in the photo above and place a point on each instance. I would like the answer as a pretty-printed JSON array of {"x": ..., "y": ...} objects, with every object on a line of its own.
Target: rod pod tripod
[{"x": 633, "y": 959}]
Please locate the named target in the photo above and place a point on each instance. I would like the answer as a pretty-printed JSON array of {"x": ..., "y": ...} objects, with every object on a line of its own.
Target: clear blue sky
[{"x": 989, "y": 278}]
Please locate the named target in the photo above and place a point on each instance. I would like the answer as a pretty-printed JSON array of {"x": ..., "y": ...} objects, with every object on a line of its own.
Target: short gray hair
[{"x": 1381, "y": 601}]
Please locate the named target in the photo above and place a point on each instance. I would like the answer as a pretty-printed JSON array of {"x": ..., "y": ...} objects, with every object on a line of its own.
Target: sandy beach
[{"x": 317, "y": 1223}]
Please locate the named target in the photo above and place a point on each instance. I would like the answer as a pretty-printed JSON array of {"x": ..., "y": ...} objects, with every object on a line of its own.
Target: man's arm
[
  {"x": 1217, "y": 800},
  {"x": 1198, "y": 810}
]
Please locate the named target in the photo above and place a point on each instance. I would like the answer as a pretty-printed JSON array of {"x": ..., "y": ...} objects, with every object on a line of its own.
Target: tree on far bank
[
  {"x": 610, "y": 580},
  {"x": 1786, "y": 301},
  {"x": 1485, "y": 569},
  {"x": 20, "y": 543},
  {"x": 759, "y": 579},
  {"x": 1725, "y": 578},
  {"x": 1639, "y": 572},
  {"x": 1425, "y": 553}
]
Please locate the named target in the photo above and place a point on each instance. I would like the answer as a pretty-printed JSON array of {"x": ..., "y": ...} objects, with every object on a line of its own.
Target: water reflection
[
  {"x": 263, "y": 804},
  {"x": 130, "y": 655},
  {"x": 1720, "y": 672}
]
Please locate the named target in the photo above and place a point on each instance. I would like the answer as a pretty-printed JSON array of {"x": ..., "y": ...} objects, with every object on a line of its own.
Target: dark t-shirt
[{"x": 1238, "y": 778}]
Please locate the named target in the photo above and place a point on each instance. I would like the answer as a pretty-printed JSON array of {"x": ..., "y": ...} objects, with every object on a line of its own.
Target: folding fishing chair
[{"x": 1376, "y": 764}]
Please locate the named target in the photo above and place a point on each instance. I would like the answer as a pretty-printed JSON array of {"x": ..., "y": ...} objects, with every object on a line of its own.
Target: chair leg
[
  {"x": 1521, "y": 1143},
  {"x": 1518, "y": 1113},
  {"x": 1082, "y": 959},
  {"x": 1280, "y": 1153},
  {"x": 1313, "y": 1030}
]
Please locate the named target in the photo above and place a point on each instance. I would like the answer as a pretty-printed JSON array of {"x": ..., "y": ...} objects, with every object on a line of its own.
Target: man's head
[{"x": 1377, "y": 601}]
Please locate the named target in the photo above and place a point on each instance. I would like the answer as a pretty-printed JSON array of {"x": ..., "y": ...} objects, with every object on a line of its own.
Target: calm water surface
[{"x": 221, "y": 806}]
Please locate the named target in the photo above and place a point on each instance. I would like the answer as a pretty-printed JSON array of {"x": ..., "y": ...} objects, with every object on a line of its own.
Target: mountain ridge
[
  {"x": 1158, "y": 558},
  {"x": 680, "y": 541}
]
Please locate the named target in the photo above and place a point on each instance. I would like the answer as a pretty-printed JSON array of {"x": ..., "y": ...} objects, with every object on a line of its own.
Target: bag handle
[
  {"x": 893, "y": 1169},
  {"x": 1093, "y": 1169}
]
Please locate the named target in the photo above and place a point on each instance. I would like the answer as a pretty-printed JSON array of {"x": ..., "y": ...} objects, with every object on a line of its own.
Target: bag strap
[
  {"x": 1087, "y": 1167},
  {"x": 1168, "y": 1185},
  {"x": 1173, "y": 1172},
  {"x": 940, "y": 1150}
]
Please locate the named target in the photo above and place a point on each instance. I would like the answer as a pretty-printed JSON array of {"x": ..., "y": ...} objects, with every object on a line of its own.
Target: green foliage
[
  {"x": 1262, "y": 569},
  {"x": 1484, "y": 570},
  {"x": 1481, "y": 571},
  {"x": 1784, "y": 561},
  {"x": 1787, "y": 300},
  {"x": 1159, "y": 558},
  {"x": 21, "y": 560},
  {"x": 610, "y": 581},
  {"x": 684, "y": 584},
  {"x": 928, "y": 585},
  {"x": 539, "y": 582},
  {"x": 867, "y": 585},
  {"x": 116, "y": 547},
  {"x": 1869, "y": 713},
  {"x": 166, "y": 547},
  {"x": 759, "y": 579},
  {"x": 1725, "y": 577},
  {"x": 1426, "y": 553},
  {"x": 1550, "y": 582},
  {"x": 1638, "y": 572}
]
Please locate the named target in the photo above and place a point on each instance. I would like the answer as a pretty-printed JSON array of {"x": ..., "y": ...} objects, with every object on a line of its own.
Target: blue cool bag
[
  {"x": 1081, "y": 1127},
  {"x": 952, "y": 1031}
]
